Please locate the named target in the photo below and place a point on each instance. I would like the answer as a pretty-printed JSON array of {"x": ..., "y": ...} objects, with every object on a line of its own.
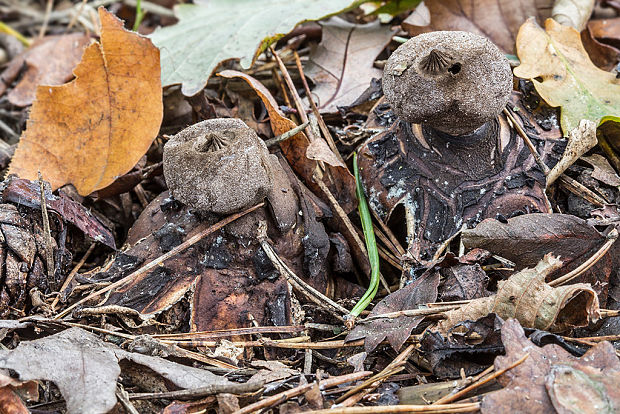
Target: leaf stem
[{"x": 371, "y": 244}]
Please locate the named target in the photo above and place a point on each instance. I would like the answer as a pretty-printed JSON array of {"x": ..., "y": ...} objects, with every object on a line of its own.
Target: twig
[
  {"x": 453, "y": 397},
  {"x": 526, "y": 139},
  {"x": 358, "y": 392},
  {"x": 49, "y": 249},
  {"x": 581, "y": 190},
  {"x": 205, "y": 391},
  {"x": 269, "y": 343},
  {"x": 315, "y": 110},
  {"x": 203, "y": 231},
  {"x": 288, "y": 134},
  {"x": 232, "y": 332},
  {"x": 393, "y": 409},
  {"x": 411, "y": 312},
  {"x": 294, "y": 392},
  {"x": 312, "y": 294},
  {"x": 611, "y": 239},
  {"x": 72, "y": 274},
  {"x": 46, "y": 17},
  {"x": 291, "y": 86}
]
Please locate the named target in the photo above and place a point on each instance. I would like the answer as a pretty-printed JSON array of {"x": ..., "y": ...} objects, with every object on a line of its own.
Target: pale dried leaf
[
  {"x": 574, "y": 13},
  {"x": 555, "y": 60},
  {"x": 526, "y": 297}
]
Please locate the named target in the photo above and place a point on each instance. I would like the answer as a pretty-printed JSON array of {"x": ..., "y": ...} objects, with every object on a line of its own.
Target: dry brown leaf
[
  {"x": 300, "y": 152},
  {"x": 342, "y": 65},
  {"x": 499, "y": 20},
  {"x": 91, "y": 130},
  {"x": 526, "y": 297},
  {"x": 551, "y": 380},
  {"x": 49, "y": 61}
]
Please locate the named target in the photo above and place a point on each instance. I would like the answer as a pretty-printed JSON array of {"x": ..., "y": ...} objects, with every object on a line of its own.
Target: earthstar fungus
[
  {"x": 449, "y": 157},
  {"x": 452, "y": 81},
  {"x": 219, "y": 166}
]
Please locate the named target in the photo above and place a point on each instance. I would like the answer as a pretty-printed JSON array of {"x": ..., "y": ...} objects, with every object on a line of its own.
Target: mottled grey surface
[
  {"x": 468, "y": 85},
  {"x": 224, "y": 178}
]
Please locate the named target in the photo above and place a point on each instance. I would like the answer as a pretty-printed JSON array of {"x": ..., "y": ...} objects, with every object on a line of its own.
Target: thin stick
[
  {"x": 526, "y": 139},
  {"x": 581, "y": 190},
  {"x": 291, "y": 86},
  {"x": 312, "y": 294},
  {"x": 71, "y": 275},
  {"x": 355, "y": 394},
  {"x": 393, "y": 409},
  {"x": 294, "y": 392},
  {"x": 201, "y": 233},
  {"x": 288, "y": 134},
  {"x": 453, "y": 397},
  {"x": 315, "y": 110},
  {"x": 46, "y": 19},
  {"x": 611, "y": 239},
  {"x": 232, "y": 332},
  {"x": 205, "y": 391},
  {"x": 411, "y": 312},
  {"x": 49, "y": 249},
  {"x": 268, "y": 343}
]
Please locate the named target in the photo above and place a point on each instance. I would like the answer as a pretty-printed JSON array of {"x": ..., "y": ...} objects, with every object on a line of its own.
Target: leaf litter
[{"x": 241, "y": 251}]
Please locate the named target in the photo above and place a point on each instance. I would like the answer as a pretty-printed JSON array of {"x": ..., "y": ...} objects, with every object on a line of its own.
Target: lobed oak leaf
[
  {"x": 557, "y": 63},
  {"x": 95, "y": 128}
]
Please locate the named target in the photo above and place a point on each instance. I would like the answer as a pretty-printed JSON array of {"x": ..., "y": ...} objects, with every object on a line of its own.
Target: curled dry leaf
[
  {"x": 91, "y": 130},
  {"x": 49, "y": 61},
  {"x": 300, "y": 152},
  {"x": 580, "y": 140},
  {"x": 574, "y": 13},
  {"x": 551, "y": 380},
  {"x": 526, "y": 297},
  {"x": 557, "y": 63}
]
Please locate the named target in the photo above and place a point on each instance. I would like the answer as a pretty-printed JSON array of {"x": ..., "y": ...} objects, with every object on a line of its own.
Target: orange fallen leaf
[{"x": 95, "y": 128}]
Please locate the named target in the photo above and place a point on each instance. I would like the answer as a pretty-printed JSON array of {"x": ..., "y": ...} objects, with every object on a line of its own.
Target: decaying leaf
[
  {"x": 341, "y": 66},
  {"x": 499, "y": 20},
  {"x": 397, "y": 330},
  {"x": 86, "y": 369},
  {"x": 217, "y": 30},
  {"x": 27, "y": 193},
  {"x": 525, "y": 239},
  {"x": 563, "y": 74},
  {"x": 49, "y": 61},
  {"x": 98, "y": 126},
  {"x": 526, "y": 297},
  {"x": 300, "y": 152},
  {"x": 551, "y": 380},
  {"x": 472, "y": 346}
]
